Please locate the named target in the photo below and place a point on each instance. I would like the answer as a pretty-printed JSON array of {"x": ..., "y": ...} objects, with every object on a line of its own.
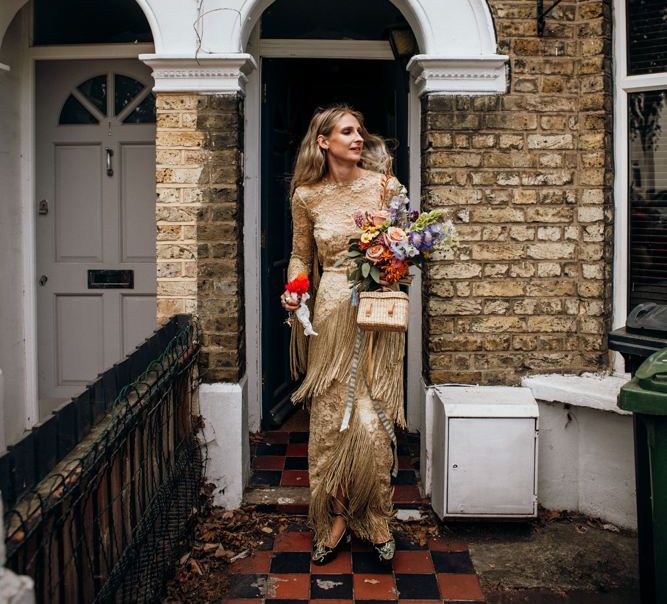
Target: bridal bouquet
[{"x": 393, "y": 239}]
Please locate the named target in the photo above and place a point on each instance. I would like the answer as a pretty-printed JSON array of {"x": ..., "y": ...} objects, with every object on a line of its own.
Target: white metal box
[{"x": 484, "y": 452}]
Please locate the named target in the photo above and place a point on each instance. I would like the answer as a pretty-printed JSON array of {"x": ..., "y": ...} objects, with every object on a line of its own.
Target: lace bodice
[{"x": 322, "y": 216}]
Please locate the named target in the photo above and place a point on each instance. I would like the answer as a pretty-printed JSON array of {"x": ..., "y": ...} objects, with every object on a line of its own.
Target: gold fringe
[
  {"x": 330, "y": 358},
  {"x": 351, "y": 469},
  {"x": 298, "y": 351}
]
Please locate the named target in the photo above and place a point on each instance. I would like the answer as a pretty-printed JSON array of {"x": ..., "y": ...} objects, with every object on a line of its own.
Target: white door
[{"x": 95, "y": 140}]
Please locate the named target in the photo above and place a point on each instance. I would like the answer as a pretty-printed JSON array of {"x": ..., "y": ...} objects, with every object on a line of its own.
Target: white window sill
[{"x": 594, "y": 390}]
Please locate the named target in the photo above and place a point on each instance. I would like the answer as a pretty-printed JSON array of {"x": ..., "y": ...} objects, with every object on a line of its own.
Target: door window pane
[
  {"x": 95, "y": 90},
  {"x": 73, "y": 112},
  {"x": 647, "y": 116},
  {"x": 126, "y": 89},
  {"x": 144, "y": 113},
  {"x": 647, "y": 36}
]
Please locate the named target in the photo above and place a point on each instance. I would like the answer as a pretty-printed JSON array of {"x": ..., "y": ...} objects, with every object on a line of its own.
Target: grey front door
[{"x": 96, "y": 219}]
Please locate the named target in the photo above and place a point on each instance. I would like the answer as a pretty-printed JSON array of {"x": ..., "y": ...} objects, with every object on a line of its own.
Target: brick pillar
[
  {"x": 527, "y": 177},
  {"x": 199, "y": 222}
]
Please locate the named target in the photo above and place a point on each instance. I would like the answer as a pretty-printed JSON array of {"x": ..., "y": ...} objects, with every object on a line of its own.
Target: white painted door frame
[
  {"x": 330, "y": 49},
  {"x": 28, "y": 201}
]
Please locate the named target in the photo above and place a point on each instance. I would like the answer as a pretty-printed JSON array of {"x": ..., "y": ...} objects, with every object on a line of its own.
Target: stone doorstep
[
  {"x": 295, "y": 501},
  {"x": 283, "y": 500}
]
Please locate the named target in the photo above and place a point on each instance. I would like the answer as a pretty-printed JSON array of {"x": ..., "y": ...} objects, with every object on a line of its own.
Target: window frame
[{"x": 624, "y": 85}]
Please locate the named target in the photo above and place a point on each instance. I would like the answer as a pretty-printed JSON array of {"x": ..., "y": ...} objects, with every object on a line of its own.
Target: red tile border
[
  {"x": 374, "y": 587},
  {"x": 413, "y": 562},
  {"x": 341, "y": 565},
  {"x": 407, "y": 493},
  {"x": 297, "y": 450},
  {"x": 290, "y": 586},
  {"x": 294, "y": 478},
  {"x": 276, "y": 438},
  {"x": 294, "y": 541},
  {"x": 268, "y": 462},
  {"x": 258, "y": 563},
  {"x": 460, "y": 587},
  {"x": 447, "y": 544}
]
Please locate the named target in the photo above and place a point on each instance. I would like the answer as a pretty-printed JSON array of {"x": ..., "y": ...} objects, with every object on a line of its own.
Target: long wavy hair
[{"x": 311, "y": 161}]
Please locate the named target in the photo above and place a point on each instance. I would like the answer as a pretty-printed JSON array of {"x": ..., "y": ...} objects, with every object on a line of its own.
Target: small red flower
[{"x": 299, "y": 285}]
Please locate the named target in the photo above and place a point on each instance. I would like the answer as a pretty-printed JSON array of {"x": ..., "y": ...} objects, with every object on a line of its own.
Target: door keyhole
[{"x": 43, "y": 279}]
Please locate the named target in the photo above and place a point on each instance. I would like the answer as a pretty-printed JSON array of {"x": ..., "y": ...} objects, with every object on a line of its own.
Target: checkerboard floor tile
[
  {"x": 280, "y": 459},
  {"x": 439, "y": 572}
]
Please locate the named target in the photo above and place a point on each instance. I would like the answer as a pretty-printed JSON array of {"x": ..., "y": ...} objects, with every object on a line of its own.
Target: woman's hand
[{"x": 289, "y": 303}]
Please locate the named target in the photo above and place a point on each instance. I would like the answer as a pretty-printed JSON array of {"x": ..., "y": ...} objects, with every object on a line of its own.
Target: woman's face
[{"x": 345, "y": 142}]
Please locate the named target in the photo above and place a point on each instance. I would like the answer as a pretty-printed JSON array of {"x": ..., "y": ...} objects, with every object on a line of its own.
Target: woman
[{"x": 341, "y": 168}]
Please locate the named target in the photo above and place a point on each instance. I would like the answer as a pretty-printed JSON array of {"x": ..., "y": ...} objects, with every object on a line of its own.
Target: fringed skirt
[{"x": 357, "y": 461}]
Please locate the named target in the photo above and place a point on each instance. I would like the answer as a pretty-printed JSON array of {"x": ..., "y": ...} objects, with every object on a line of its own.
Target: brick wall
[
  {"x": 528, "y": 177},
  {"x": 200, "y": 223}
]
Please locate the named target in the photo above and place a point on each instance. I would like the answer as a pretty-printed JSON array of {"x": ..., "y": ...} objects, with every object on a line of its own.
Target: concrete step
[{"x": 286, "y": 500}]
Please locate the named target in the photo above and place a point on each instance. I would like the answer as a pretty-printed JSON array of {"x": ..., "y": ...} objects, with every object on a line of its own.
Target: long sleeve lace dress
[{"x": 359, "y": 459}]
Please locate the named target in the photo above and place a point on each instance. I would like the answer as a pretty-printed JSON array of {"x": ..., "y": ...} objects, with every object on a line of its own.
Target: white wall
[
  {"x": 586, "y": 462},
  {"x": 12, "y": 350}
]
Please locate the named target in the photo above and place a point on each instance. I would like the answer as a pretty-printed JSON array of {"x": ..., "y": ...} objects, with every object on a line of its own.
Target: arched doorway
[{"x": 308, "y": 59}]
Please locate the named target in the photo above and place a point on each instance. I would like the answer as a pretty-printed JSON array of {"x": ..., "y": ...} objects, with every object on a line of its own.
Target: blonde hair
[{"x": 311, "y": 161}]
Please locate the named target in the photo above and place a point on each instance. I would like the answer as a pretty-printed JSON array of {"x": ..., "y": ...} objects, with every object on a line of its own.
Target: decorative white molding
[
  {"x": 89, "y": 51},
  {"x": 205, "y": 74},
  {"x": 459, "y": 75}
]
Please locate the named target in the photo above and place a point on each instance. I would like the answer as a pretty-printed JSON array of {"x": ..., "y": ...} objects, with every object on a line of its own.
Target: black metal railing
[{"x": 107, "y": 522}]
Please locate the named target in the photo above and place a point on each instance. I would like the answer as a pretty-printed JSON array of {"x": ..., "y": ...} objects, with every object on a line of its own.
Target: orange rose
[
  {"x": 394, "y": 235},
  {"x": 375, "y": 253},
  {"x": 378, "y": 218}
]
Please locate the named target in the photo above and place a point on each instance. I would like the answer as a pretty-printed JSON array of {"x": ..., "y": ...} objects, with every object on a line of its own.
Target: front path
[{"x": 426, "y": 568}]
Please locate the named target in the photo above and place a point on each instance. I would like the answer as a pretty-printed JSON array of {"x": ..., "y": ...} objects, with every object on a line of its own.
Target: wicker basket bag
[{"x": 383, "y": 311}]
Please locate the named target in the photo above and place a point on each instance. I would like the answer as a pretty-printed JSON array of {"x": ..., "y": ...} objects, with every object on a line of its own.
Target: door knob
[{"x": 43, "y": 279}]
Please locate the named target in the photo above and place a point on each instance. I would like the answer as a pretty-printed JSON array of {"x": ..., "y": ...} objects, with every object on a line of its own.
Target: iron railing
[{"x": 107, "y": 522}]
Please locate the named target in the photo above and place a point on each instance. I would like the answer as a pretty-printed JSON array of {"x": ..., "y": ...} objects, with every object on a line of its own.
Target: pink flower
[
  {"x": 378, "y": 218},
  {"x": 394, "y": 235},
  {"x": 375, "y": 253}
]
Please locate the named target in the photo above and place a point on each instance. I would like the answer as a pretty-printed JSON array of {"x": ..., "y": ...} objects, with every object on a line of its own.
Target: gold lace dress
[{"x": 358, "y": 460}]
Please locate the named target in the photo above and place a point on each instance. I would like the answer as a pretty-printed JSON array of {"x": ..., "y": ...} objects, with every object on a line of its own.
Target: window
[
  {"x": 342, "y": 19},
  {"x": 647, "y": 151},
  {"x": 131, "y": 101},
  {"x": 647, "y": 36},
  {"x": 646, "y": 161},
  {"x": 86, "y": 22}
]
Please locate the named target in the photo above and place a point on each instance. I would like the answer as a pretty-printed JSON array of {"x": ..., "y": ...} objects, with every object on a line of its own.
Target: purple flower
[
  {"x": 398, "y": 250},
  {"x": 415, "y": 239},
  {"x": 414, "y": 214}
]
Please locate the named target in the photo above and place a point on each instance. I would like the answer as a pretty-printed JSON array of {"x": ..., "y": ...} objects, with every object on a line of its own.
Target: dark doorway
[{"x": 291, "y": 90}]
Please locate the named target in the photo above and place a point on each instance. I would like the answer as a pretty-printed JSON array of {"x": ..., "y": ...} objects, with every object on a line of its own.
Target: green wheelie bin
[{"x": 646, "y": 396}]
